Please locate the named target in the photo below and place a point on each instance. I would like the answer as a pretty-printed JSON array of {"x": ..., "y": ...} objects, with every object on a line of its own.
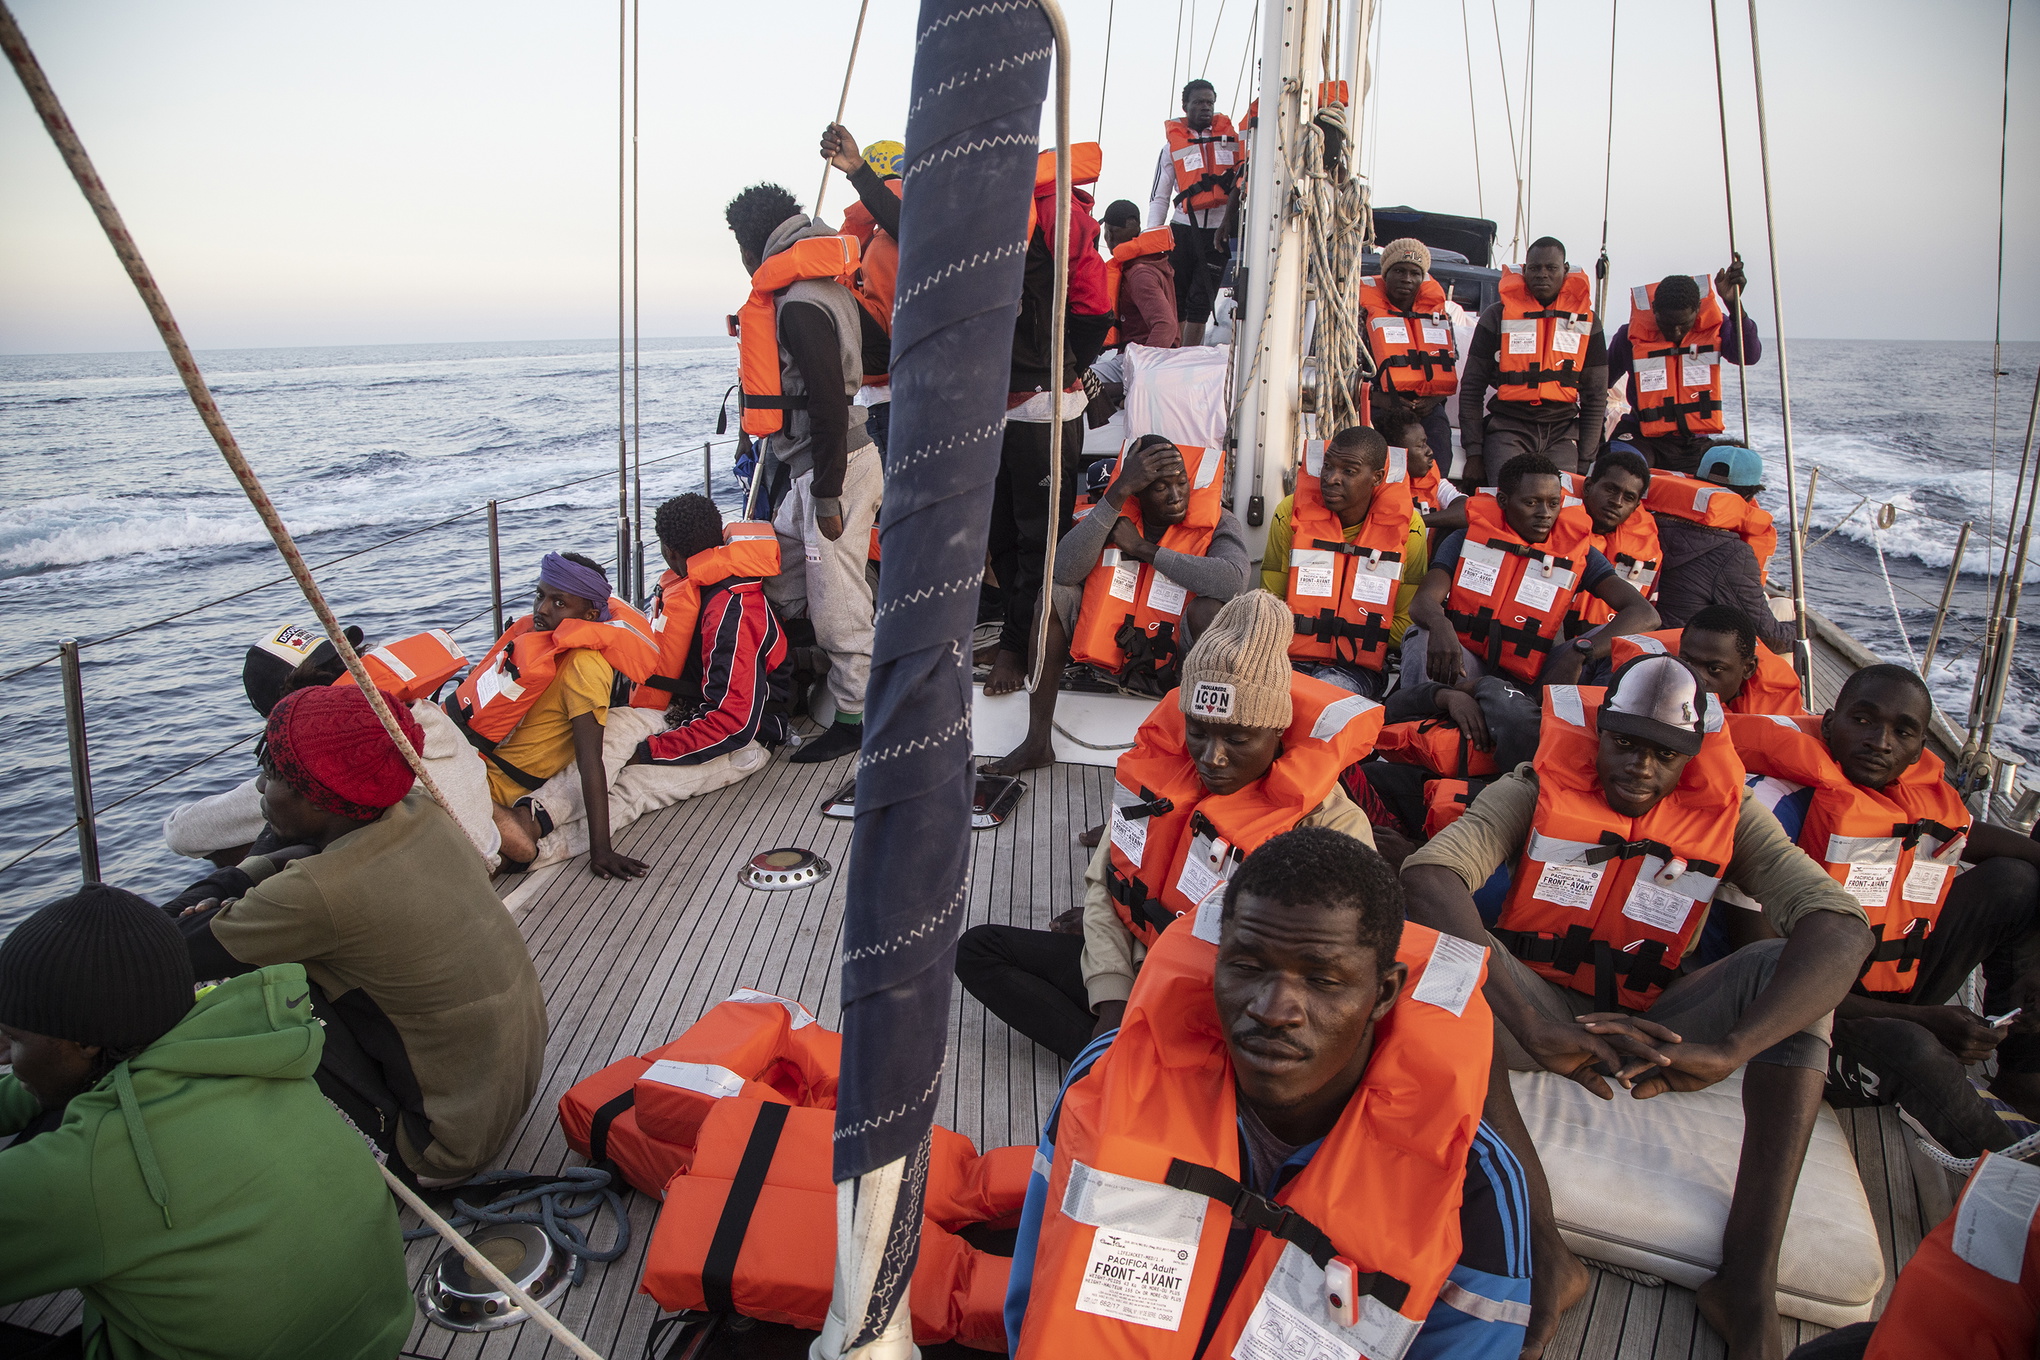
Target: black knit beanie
[{"x": 101, "y": 966}]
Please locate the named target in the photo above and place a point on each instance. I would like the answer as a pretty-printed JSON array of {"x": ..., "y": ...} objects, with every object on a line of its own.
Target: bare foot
[
  {"x": 1030, "y": 754},
  {"x": 1557, "y": 1282},
  {"x": 1746, "y": 1318},
  {"x": 1089, "y": 839},
  {"x": 1008, "y": 674}
]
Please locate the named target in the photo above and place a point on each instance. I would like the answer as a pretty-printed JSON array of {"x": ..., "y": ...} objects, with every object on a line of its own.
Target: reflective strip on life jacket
[
  {"x": 1542, "y": 350},
  {"x": 411, "y": 668},
  {"x": 1415, "y": 350},
  {"x": 1130, "y": 622},
  {"x": 1342, "y": 596},
  {"x": 1509, "y": 597},
  {"x": 1147, "y": 1178},
  {"x": 1675, "y": 389},
  {"x": 1606, "y": 904},
  {"x": 757, "y": 325},
  {"x": 1972, "y": 1290},
  {"x": 1895, "y": 849},
  {"x": 1207, "y": 163}
]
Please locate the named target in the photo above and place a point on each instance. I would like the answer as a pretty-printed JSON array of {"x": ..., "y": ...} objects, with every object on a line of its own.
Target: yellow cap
[{"x": 884, "y": 157}]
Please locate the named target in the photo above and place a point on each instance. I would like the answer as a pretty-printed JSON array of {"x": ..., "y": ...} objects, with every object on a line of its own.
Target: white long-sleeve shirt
[{"x": 1161, "y": 205}]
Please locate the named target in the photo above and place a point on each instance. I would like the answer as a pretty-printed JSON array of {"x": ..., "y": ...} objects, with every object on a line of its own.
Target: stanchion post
[
  {"x": 1947, "y": 594},
  {"x": 1812, "y": 482},
  {"x": 707, "y": 472},
  {"x": 81, "y": 763},
  {"x": 495, "y": 577}
]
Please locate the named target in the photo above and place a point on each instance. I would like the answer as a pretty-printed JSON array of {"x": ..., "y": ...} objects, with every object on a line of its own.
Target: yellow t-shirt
[
  {"x": 1416, "y": 561},
  {"x": 542, "y": 744}
]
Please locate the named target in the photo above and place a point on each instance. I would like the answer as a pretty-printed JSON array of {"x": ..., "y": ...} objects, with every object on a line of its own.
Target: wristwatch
[{"x": 1584, "y": 646}]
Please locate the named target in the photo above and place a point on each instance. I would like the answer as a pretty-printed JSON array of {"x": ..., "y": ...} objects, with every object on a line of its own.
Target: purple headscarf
[{"x": 557, "y": 573}]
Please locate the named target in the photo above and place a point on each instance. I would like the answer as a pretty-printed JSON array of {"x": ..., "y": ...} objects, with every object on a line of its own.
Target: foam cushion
[{"x": 1646, "y": 1183}]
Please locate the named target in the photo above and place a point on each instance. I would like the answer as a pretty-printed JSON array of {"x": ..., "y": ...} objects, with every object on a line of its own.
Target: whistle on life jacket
[
  {"x": 1672, "y": 872},
  {"x": 1342, "y": 1295}
]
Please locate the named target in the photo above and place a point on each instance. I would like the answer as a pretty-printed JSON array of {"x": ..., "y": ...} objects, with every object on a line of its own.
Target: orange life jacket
[
  {"x": 495, "y": 696},
  {"x": 1446, "y": 801},
  {"x": 1634, "y": 553},
  {"x": 1774, "y": 688},
  {"x": 756, "y": 324},
  {"x": 1676, "y": 389},
  {"x": 1543, "y": 350},
  {"x": 749, "y": 549},
  {"x": 1087, "y": 162},
  {"x": 1509, "y": 597},
  {"x": 1435, "y": 745},
  {"x": 1424, "y": 489},
  {"x": 1893, "y": 849},
  {"x": 750, "y": 1226},
  {"x": 411, "y": 668},
  {"x": 1414, "y": 351},
  {"x": 1607, "y": 904},
  {"x": 1342, "y": 596},
  {"x": 1148, "y": 1139},
  {"x": 878, "y": 268},
  {"x": 1715, "y": 506},
  {"x": 1131, "y": 617},
  {"x": 1207, "y": 163},
  {"x": 1972, "y": 1290},
  {"x": 1173, "y": 843},
  {"x": 1760, "y": 531},
  {"x": 762, "y": 1046},
  {"x": 1154, "y": 241}
]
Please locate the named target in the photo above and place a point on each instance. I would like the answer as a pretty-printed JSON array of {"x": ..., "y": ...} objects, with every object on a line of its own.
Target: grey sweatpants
[
  {"x": 825, "y": 582},
  {"x": 1505, "y": 435}
]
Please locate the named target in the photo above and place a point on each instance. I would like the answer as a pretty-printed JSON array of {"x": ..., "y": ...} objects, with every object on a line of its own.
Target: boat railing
[{"x": 69, "y": 654}]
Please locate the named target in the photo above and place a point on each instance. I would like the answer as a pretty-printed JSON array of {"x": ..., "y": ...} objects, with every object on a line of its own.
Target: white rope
[
  {"x": 1877, "y": 541},
  {"x": 1962, "y": 1166}
]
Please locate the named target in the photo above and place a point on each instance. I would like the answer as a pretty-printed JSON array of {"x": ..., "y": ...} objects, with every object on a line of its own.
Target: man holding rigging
[{"x": 1194, "y": 178}]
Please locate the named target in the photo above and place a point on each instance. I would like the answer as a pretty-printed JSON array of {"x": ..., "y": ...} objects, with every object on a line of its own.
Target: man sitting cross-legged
[
  {"x": 1244, "y": 750},
  {"x": 1632, "y": 816},
  {"x": 1280, "y": 1150},
  {"x": 1865, "y": 798},
  {"x": 1135, "y": 579}
]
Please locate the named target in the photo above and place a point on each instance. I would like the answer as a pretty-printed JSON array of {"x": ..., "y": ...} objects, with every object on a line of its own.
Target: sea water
[{"x": 117, "y": 511}]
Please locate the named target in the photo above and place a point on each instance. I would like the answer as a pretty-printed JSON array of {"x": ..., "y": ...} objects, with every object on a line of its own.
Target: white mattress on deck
[{"x": 1645, "y": 1184}]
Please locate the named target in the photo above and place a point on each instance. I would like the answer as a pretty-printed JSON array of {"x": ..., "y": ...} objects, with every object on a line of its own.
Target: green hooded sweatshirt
[{"x": 206, "y": 1198}]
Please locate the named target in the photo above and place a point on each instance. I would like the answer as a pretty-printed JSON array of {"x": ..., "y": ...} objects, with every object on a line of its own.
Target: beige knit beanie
[
  {"x": 1238, "y": 671},
  {"x": 1408, "y": 248}
]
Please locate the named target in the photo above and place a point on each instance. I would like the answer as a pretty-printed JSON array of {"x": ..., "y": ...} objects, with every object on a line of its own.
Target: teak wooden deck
[{"x": 627, "y": 965}]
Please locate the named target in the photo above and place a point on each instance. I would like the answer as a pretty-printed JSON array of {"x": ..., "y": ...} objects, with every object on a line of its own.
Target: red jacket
[{"x": 738, "y": 680}]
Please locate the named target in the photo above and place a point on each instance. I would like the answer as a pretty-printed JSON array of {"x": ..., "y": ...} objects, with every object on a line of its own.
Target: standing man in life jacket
[
  {"x": 1719, "y": 644},
  {"x": 1869, "y": 803},
  {"x": 1489, "y": 619},
  {"x": 1679, "y": 334},
  {"x": 1708, "y": 564},
  {"x": 1244, "y": 749},
  {"x": 1540, "y": 347},
  {"x": 1322, "y": 1067},
  {"x": 1194, "y": 179},
  {"x": 1133, "y": 590},
  {"x": 874, "y": 219},
  {"x": 1346, "y": 553},
  {"x": 825, "y": 472},
  {"x": 1409, "y": 333},
  {"x": 1022, "y": 515},
  {"x": 1624, "y": 533},
  {"x": 1616, "y": 839}
]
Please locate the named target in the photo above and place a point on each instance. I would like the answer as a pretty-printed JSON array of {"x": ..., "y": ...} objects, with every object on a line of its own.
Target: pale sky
[{"x": 446, "y": 171}]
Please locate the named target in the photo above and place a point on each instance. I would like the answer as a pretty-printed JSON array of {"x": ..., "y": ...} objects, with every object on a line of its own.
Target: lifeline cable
[
  {"x": 58, "y": 124},
  {"x": 1742, "y": 381},
  {"x": 1608, "y": 170},
  {"x": 842, "y": 100}
]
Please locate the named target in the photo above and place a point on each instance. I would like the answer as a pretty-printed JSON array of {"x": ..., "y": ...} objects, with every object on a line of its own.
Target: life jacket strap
[
  {"x": 1564, "y": 375},
  {"x": 598, "y": 1129},
  {"x": 1326, "y": 626},
  {"x": 1429, "y": 360},
  {"x": 1906, "y": 950},
  {"x": 668, "y": 683},
  {"x": 719, "y": 1266},
  {"x": 1909, "y": 833},
  {"x": 1150, "y": 658},
  {"x": 1278, "y": 1221},
  {"x": 1207, "y": 181},
  {"x": 1145, "y": 910},
  {"x": 1645, "y": 968}
]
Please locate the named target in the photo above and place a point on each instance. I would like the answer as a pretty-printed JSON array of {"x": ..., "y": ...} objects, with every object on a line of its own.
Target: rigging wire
[
  {"x": 1529, "y": 115},
  {"x": 1246, "y": 53},
  {"x": 1372, "y": 97},
  {"x": 1515, "y": 156},
  {"x": 1175, "y": 60},
  {"x": 843, "y": 99},
  {"x": 1215, "y": 24},
  {"x": 1608, "y": 170},
  {"x": 1996, "y": 367},
  {"x": 1105, "y": 75},
  {"x": 1742, "y": 382},
  {"x": 622, "y": 279},
  {"x": 1472, "y": 111},
  {"x": 636, "y": 576}
]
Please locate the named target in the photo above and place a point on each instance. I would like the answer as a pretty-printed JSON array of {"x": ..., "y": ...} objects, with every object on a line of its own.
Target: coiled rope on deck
[
  {"x": 555, "y": 1212},
  {"x": 58, "y": 124}
]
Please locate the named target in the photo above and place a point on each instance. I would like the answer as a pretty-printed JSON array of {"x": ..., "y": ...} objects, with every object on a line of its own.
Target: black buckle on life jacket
[
  {"x": 1151, "y": 658},
  {"x": 1327, "y": 627},
  {"x": 1910, "y": 833},
  {"x": 1906, "y": 950},
  {"x": 1613, "y": 846},
  {"x": 1144, "y": 908},
  {"x": 1278, "y": 1221},
  {"x": 1208, "y": 180},
  {"x": 1567, "y": 374},
  {"x": 1645, "y": 968}
]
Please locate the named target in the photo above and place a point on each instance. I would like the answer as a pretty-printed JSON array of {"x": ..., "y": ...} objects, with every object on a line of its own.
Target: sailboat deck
[{"x": 627, "y": 965}]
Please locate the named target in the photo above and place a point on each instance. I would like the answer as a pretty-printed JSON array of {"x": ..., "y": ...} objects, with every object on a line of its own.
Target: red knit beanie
[{"x": 328, "y": 745}]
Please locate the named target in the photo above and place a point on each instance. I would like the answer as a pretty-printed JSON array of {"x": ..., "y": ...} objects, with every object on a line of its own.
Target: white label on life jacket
[
  {"x": 1566, "y": 336},
  {"x": 703, "y": 1078},
  {"x": 1313, "y": 568},
  {"x": 1276, "y": 1331},
  {"x": 1129, "y": 835},
  {"x": 1193, "y": 159},
  {"x": 1569, "y": 885},
  {"x": 1996, "y": 1217},
  {"x": 1435, "y": 333},
  {"x": 1522, "y": 336},
  {"x": 1536, "y": 592},
  {"x": 1658, "y": 908},
  {"x": 1870, "y": 884},
  {"x": 1451, "y": 975},
  {"x": 1926, "y": 880},
  {"x": 1198, "y": 879},
  {"x": 1165, "y": 596},
  {"x": 1394, "y": 330},
  {"x": 1650, "y": 375},
  {"x": 1125, "y": 574},
  {"x": 1375, "y": 583},
  {"x": 1222, "y": 154},
  {"x": 799, "y": 1014},
  {"x": 495, "y": 683},
  {"x": 1131, "y": 1278},
  {"x": 1696, "y": 370},
  {"x": 1479, "y": 569}
]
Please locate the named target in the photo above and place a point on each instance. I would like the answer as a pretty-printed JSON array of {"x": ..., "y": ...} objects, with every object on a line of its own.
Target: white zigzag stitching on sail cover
[
  {"x": 899, "y": 942},
  {"x": 925, "y": 594},
  {"x": 900, "y": 464},
  {"x": 999, "y": 67},
  {"x": 917, "y": 744},
  {"x": 968, "y": 149},
  {"x": 957, "y": 267},
  {"x": 975, "y": 12},
  {"x": 872, "y": 1124}
]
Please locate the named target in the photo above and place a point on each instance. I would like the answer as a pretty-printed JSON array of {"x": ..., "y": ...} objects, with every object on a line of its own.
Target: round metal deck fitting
[
  {"x": 783, "y": 870},
  {"x": 456, "y": 1299}
]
